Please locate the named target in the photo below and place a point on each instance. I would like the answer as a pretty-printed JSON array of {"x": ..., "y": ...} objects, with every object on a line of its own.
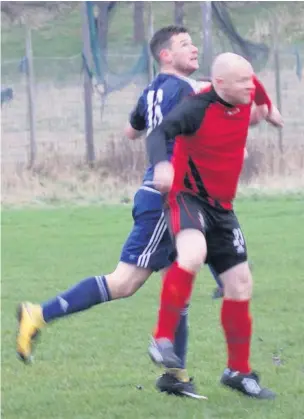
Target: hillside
[{"x": 62, "y": 37}]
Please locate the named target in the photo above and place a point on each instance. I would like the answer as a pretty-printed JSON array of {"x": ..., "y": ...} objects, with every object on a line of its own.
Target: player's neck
[
  {"x": 173, "y": 72},
  {"x": 222, "y": 96}
]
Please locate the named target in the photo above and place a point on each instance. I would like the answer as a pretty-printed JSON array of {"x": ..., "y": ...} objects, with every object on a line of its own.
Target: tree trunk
[
  {"x": 179, "y": 12},
  {"x": 138, "y": 21}
]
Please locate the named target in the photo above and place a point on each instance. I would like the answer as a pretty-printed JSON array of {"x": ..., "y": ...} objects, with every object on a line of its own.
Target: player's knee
[
  {"x": 120, "y": 286},
  {"x": 117, "y": 285},
  {"x": 191, "y": 249},
  {"x": 238, "y": 282},
  {"x": 126, "y": 280}
]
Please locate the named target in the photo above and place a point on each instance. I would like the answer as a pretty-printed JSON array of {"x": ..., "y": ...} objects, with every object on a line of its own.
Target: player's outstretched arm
[
  {"x": 136, "y": 126},
  {"x": 261, "y": 97},
  {"x": 261, "y": 113},
  {"x": 273, "y": 116},
  {"x": 258, "y": 114},
  {"x": 184, "y": 119}
]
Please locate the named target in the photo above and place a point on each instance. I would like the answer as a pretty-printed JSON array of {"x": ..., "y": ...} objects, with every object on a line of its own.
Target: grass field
[{"x": 88, "y": 366}]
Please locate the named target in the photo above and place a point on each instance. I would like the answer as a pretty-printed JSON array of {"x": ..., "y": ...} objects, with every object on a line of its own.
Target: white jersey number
[{"x": 155, "y": 115}]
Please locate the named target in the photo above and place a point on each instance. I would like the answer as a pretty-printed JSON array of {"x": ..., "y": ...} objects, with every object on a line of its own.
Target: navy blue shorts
[{"x": 149, "y": 244}]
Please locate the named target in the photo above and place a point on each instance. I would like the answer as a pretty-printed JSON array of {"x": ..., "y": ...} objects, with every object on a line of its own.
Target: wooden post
[
  {"x": 206, "y": 7},
  {"x": 103, "y": 24},
  {"x": 150, "y": 34},
  {"x": 179, "y": 12},
  {"x": 31, "y": 96},
  {"x": 277, "y": 71},
  {"x": 138, "y": 22},
  {"x": 87, "y": 86}
]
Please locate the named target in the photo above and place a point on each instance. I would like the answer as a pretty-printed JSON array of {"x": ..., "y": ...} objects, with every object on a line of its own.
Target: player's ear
[
  {"x": 219, "y": 81},
  {"x": 164, "y": 55}
]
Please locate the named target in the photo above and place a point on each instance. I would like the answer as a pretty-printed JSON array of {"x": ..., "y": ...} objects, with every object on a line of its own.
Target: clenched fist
[{"x": 163, "y": 176}]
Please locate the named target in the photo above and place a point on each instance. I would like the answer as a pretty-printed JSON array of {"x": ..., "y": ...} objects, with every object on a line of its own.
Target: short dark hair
[{"x": 162, "y": 39}]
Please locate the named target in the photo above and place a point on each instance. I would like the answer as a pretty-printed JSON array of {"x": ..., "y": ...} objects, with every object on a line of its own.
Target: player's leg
[
  {"x": 177, "y": 380},
  {"x": 186, "y": 223},
  {"x": 148, "y": 248},
  {"x": 228, "y": 254},
  {"x": 157, "y": 253},
  {"x": 124, "y": 281},
  {"x": 219, "y": 290},
  {"x": 237, "y": 325},
  {"x": 80, "y": 297}
]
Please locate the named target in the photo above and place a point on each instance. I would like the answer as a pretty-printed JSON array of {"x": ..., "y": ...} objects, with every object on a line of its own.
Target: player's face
[
  {"x": 239, "y": 86},
  {"x": 183, "y": 54}
]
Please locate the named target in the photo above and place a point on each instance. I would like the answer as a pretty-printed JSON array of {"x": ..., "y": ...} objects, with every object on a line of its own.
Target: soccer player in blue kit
[{"x": 148, "y": 248}]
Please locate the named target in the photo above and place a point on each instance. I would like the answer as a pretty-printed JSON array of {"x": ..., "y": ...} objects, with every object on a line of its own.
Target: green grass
[{"x": 88, "y": 366}]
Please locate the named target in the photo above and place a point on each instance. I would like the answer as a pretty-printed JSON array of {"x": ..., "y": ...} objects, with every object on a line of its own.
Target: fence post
[
  {"x": 30, "y": 96},
  {"x": 179, "y": 12},
  {"x": 277, "y": 71},
  {"x": 206, "y": 8},
  {"x": 150, "y": 34},
  {"x": 87, "y": 86}
]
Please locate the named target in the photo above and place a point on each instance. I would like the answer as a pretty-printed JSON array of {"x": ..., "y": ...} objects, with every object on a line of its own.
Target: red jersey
[{"x": 209, "y": 149}]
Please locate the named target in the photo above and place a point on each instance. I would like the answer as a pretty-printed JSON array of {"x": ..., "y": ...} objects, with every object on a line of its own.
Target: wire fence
[
  {"x": 59, "y": 109},
  {"x": 59, "y": 106}
]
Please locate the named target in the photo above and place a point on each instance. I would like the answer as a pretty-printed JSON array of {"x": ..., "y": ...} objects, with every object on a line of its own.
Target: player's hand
[
  {"x": 131, "y": 133},
  {"x": 275, "y": 118},
  {"x": 163, "y": 176}
]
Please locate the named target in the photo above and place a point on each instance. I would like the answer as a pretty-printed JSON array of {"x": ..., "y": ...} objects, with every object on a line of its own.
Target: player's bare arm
[
  {"x": 275, "y": 118},
  {"x": 261, "y": 98}
]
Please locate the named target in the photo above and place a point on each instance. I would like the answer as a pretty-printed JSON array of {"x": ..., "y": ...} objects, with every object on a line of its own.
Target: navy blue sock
[
  {"x": 181, "y": 337},
  {"x": 216, "y": 277},
  {"x": 85, "y": 294}
]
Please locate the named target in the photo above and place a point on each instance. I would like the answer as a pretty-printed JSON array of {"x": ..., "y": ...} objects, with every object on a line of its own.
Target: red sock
[
  {"x": 176, "y": 292},
  {"x": 237, "y": 325}
]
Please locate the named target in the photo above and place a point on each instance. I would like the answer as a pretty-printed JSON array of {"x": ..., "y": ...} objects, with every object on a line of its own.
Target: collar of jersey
[
  {"x": 178, "y": 76},
  {"x": 219, "y": 99}
]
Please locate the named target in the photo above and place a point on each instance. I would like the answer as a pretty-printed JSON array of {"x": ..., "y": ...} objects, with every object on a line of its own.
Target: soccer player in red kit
[{"x": 200, "y": 184}]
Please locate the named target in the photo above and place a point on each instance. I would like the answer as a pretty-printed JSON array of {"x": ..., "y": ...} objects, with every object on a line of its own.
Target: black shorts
[{"x": 226, "y": 246}]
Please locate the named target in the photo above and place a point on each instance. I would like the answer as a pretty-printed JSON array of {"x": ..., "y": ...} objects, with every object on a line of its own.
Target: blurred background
[{"x": 71, "y": 73}]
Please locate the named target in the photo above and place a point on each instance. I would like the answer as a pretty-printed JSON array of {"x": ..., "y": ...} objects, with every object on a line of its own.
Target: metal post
[
  {"x": 277, "y": 71},
  {"x": 150, "y": 34},
  {"x": 31, "y": 96},
  {"x": 179, "y": 12},
  {"x": 206, "y": 7},
  {"x": 87, "y": 85}
]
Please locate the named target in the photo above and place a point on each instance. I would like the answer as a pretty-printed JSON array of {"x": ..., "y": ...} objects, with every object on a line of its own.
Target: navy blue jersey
[{"x": 156, "y": 101}]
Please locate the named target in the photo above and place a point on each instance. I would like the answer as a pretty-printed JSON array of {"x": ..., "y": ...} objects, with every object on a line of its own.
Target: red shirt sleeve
[{"x": 261, "y": 97}]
